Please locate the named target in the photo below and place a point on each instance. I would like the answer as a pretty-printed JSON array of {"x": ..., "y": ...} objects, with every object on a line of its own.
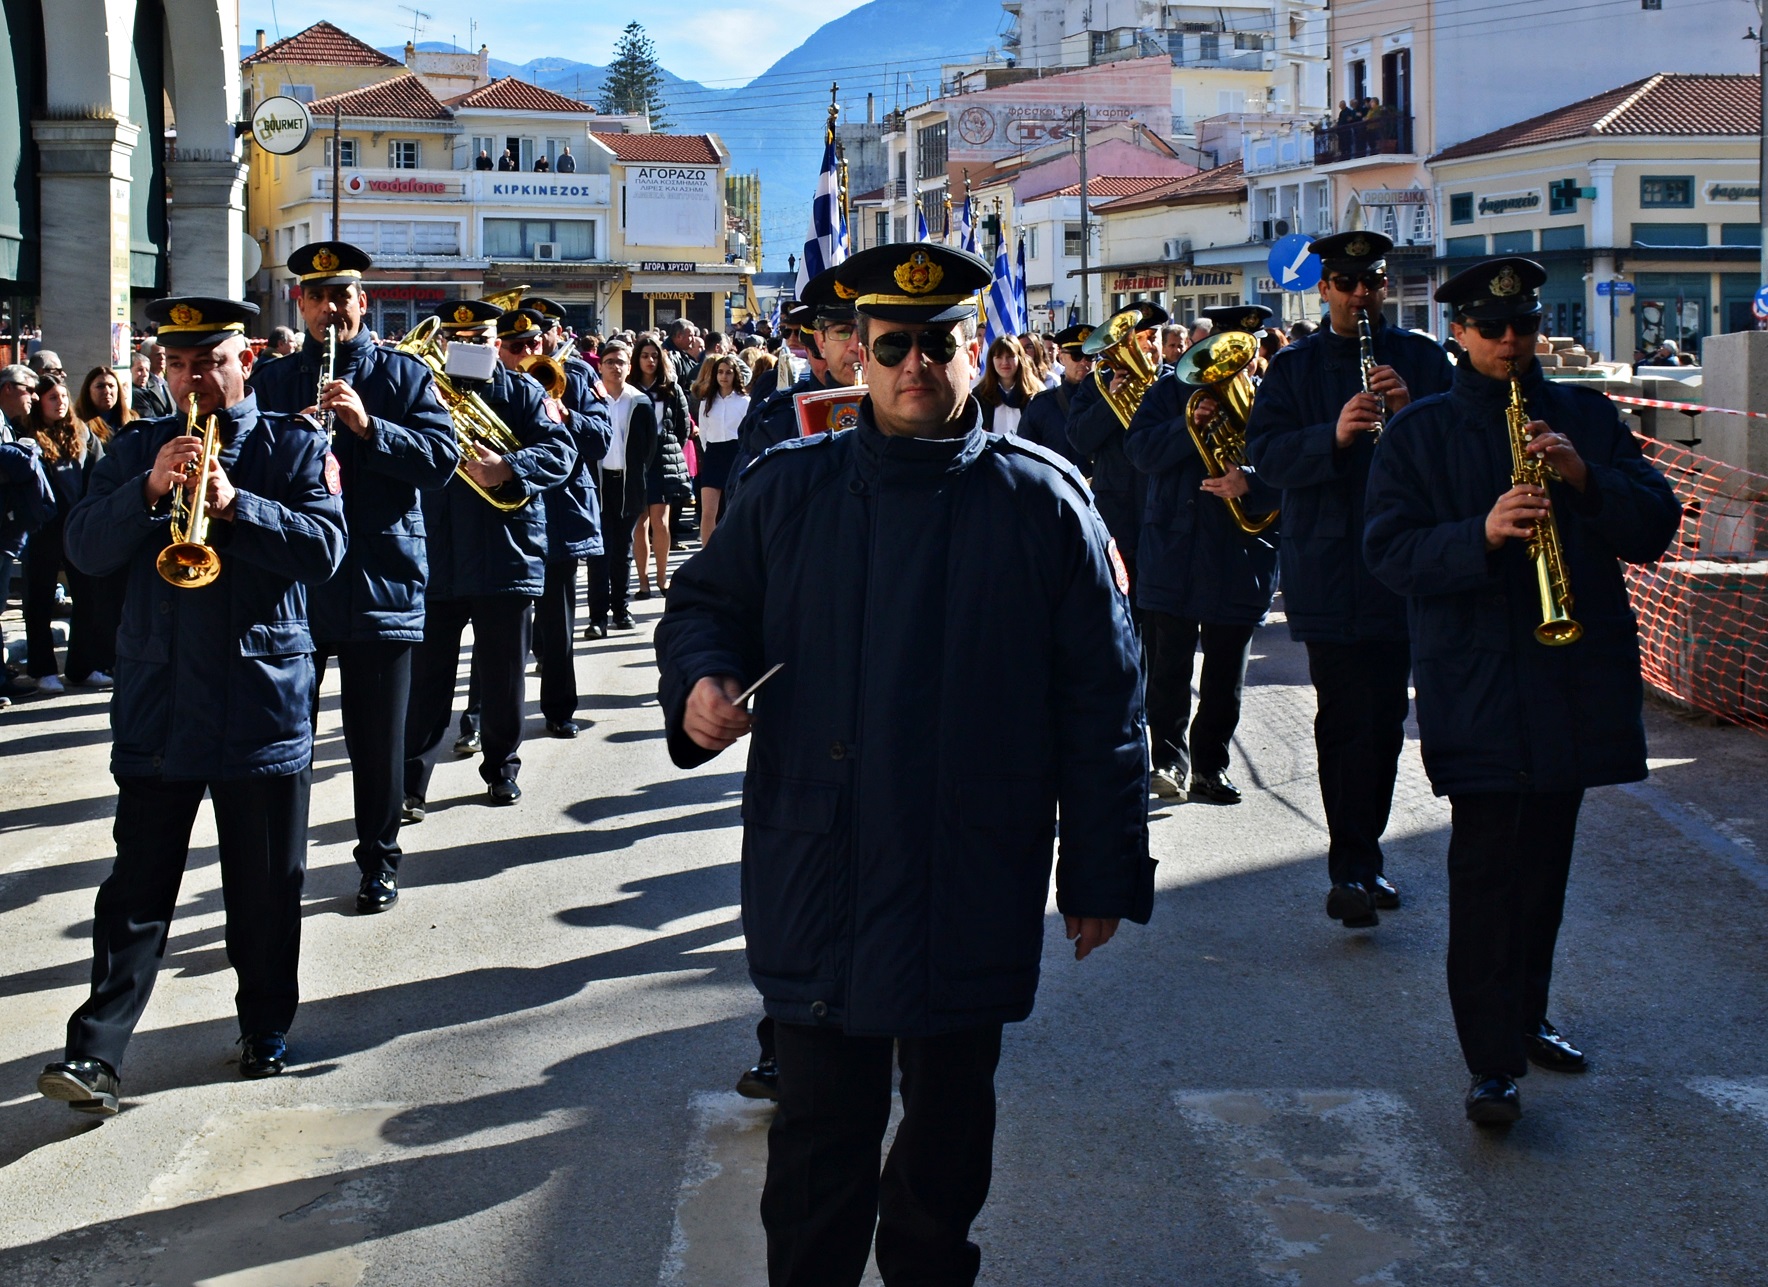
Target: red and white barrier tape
[{"x": 1693, "y": 408}]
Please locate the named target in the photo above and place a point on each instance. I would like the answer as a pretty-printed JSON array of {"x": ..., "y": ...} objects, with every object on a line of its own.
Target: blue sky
[{"x": 716, "y": 43}]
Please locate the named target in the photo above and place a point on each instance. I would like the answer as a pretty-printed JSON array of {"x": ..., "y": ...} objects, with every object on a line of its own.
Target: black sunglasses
[
  {"x": 1525, "y": 326},
  {"x": 1347, "y": 284},
  {"x": 892, "y": 347}
]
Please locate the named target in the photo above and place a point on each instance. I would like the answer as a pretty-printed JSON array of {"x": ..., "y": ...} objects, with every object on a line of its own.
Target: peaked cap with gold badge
[
  {"x": 832, "y": 301},
  {"x": 1072, "y": 337},
  {"x": 1495, "y": 289},
  {"x": 1352, "y": 252},
  {"x": 1250, "y": 318},
  {"x": 914, "y": 281},
  {"x": 552, "y": 313},
  {"x": 329, "y": 263},
  {"x": 197, "y": 321},
  {"x": 466, "y": 314},
  {"x": 521, "y": 323}
]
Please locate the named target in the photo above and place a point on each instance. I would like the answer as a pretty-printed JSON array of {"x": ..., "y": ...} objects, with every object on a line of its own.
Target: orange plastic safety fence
[{"x": 1703, "y": 607}]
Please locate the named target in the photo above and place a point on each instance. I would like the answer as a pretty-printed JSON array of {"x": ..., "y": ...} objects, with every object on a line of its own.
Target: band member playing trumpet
[
  {"x": 213, "y": 688},
  {"x": 487, "y": 535},
  {"x": 1200, "y": 574},
  {"x": 392, "y": 439},
  {"x": 1311, "y": 433},
  {"x": 1521, "y": 708}
]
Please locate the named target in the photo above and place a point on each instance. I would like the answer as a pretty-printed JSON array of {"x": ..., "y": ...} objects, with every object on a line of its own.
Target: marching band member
[
  {"x": 1045, "y": 421},
  {"x": 487, "y": 562},
  {"x": 392, "y": 440},
  {"x": 1528, "y": 687},
  {"x": 214, "y": 690}
]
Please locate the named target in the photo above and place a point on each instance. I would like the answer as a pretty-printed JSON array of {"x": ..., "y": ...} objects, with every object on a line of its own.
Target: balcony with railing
[
  {"x": 1288, "y": 147},
  {"x": 1375, "y": 141},
  {"x": 1222, "y": 50}
]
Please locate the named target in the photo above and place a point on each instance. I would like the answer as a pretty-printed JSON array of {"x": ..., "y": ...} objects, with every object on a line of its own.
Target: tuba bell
[
  {"x": 1116, "y": 347},
  {"x": 1219, "y": 364},
  {"x": 548, "y": 370},
  {"x": 474, "y": 421}
]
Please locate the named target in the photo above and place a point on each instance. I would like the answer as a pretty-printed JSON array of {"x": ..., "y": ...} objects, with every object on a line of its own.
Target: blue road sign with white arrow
[
  {"x": 1760, "y": 306},
  {"x": 1292, "y": 266}
]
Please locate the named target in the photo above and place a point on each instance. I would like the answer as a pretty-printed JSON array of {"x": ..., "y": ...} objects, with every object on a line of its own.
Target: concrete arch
[
  {"x": 207, "y": 171},
  {"x": 77, "y": 83}
]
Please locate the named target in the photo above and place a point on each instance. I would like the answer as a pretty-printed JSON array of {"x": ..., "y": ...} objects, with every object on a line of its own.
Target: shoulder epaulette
[
  {"x": 789, "y": 445},
  {"x": 1012, "y": 444}
]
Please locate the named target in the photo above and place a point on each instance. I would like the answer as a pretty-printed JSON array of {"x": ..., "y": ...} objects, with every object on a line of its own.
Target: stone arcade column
[
  {"x": 84, "y": 167},
  {"x": 207, "y": 218}
]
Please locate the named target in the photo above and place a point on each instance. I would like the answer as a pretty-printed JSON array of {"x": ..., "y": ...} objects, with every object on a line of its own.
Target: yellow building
[{"x": 1655, "y": 184}]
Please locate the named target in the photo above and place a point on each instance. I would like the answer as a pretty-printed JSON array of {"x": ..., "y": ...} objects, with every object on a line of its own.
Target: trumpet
[
  {"x": 474, "y": 421},
  {"x": 1117, "y": 348},
  {"x": 328, "y": 371},
  {"x": 1219, "y": 365},
  {"x": 189, "y": 562},
  {"x": 1366, "y": 361},
  {"x": 1545, "y": 551}
]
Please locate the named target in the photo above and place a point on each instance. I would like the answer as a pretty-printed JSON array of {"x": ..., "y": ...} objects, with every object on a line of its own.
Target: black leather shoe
[
  {"x": 563, "y": 727},
  {"x": 377, "y": 893},
  {"x": 264, "y": 1055},
  {"x": 84, "y": 1085},
  {"x": 1214, "y": 788},
  {"x": 593, "y": 632},
  {"x": 1352, "y": 904},
  {"x": 643, "y": 594},
  {"x": 623, "y": 621},
  {"x": 761, "y": 1081},
  {"x": 1492, "y": 1100},
  {"x": 1548, "y": 1050},
  {"x": 412, "y": 810},
  {"x": 505, "y": 791},
  {"x": 468, "y": 743},
  {"x": 1386, "y": 896}
]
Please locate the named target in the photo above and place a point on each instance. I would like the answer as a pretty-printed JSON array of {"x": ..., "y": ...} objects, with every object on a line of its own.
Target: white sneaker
[
  {"x": 50, "y": 684},
  {"x": 97, "y": 679}
]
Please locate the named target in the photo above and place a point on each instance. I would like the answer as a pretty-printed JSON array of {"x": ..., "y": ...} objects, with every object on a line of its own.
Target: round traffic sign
[
  {"x": 1760, "y": 305},
  {"x": 1292, "y": 265},
  {"x": 282, "y": 125}
]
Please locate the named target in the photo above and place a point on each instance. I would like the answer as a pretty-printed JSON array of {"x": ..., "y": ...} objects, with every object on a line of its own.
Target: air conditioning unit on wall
[
  {"x": 1176, "y": 248},
  {"x": 546, "y": 250}
]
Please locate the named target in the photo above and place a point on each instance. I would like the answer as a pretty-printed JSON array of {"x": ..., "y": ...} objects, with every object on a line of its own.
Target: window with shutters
[
  {"x": 403, "y": 154},
  {"x": 346, "y": 153},
  {"x": 1071, "y": 240}
]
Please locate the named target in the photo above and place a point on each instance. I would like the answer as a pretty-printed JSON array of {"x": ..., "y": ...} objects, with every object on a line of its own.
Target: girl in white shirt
[{"x": 720, "y": 394}]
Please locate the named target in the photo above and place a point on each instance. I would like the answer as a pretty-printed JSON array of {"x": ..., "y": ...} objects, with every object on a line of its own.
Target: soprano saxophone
[{"x": 1544, "y": 548}]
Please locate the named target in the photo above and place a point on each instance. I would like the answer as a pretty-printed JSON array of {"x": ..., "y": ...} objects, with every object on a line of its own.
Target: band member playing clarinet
[
  {"x": 214, "y": 687},
  {"x": 1311, "y": 432},
  {"x": 392, "y": 439},
  {"x": 1525, "y": 654}
]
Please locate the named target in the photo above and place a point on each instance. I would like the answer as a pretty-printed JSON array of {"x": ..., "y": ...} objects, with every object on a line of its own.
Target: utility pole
[
  {"x": 1760, "y": 35},
  {"x": 337, "y": 171},
  {"x": 1086, "y": 223}
]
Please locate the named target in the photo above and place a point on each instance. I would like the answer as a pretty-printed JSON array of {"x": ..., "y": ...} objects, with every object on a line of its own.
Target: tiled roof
[
  {"x": 663, "y": 149},
  {"x": 876, "y": 194},
  {"x": 1113, "y": 185},
  {"x": 1665, "y": 104},
  {"x": 507, "y": 94},
  {"x": 1223, "y": 181},
  {"x": 404, "y": 97},
  {"x": 322, "y": 43}
]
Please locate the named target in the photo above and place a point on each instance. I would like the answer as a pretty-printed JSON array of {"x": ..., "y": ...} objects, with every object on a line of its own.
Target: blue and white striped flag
[
  {"x": 921, "y": 226},
  {"x": 1019, "y": 289},
  {"x": 827, "y": 244},
  {"x": 1003, "y": 304},
  {"x": 966, "y": 228},
  {"x": 773, "y": 318}
]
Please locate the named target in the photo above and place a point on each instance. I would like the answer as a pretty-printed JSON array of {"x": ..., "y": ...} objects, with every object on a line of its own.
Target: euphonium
[
  {"x": 1366, "y": 362},
  {"x": 1115, "y": 347},
  {"x": 474, "y": 421},
  {"x": 189, "y": 562},
  {"x": 507, "y": 299},
  {"x": 1219, "y": 364},
  {"x": 1544, "y": 548}
]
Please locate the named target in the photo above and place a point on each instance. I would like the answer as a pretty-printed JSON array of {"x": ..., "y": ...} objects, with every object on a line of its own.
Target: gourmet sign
[{"x": 282, "y": 125}]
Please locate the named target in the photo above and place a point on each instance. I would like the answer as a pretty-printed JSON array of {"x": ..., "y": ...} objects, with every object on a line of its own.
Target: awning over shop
[{"x": 684, "y": 283}]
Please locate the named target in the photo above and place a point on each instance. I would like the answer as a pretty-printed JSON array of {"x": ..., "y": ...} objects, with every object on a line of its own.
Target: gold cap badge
[
  {"x": 920, "y": 275},
  {"x": 1506, "y": 283},
  {"x": 1250, "y": 321},
  {"x": 844, "y": 292},
  {"x": 522, "y": 322},
  {"x": 464, "y": 314},
  {"x": 185, "y": 315},
  {"x": 325, "y": 261},
  {"x": 1356, "y": 248}
]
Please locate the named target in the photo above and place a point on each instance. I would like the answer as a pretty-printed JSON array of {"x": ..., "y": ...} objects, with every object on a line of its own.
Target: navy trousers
[{"x": 1359, "y": 729}]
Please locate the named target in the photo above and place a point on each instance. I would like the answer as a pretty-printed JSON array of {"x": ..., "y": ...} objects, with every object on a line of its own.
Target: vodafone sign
[{"x": 362, "y": 185}]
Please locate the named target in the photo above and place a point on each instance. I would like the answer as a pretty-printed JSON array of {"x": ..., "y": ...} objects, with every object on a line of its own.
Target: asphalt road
[{"x": 522, "y": 1074}]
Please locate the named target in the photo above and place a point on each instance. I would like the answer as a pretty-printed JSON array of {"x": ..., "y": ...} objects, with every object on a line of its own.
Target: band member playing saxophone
[
  {"x": 1311, "y": 433},
  {"x": 1521, "y": 706},
  {"x": 392, "y": 440},
  {"x": 214, "y": 685}
]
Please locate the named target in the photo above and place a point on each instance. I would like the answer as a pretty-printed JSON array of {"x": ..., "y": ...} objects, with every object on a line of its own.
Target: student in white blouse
[{"x": 721, "y": 396}]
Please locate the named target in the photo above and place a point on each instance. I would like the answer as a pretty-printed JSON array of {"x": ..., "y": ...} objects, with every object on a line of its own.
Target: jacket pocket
[
  {"x": 788, "y": 877},
  {"x": 276, "y": 639},
  {"x": 990, "y": 890}
]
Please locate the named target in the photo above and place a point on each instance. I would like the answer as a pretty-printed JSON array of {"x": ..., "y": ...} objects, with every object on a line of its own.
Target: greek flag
[
  {"x": 1003, "y": 301},
  {"x": 921, "y": 226},
  {"x": 1019, "y": 289},
  {"x": 773, "y": 318},
  {"x": 966, "y": 228},
  {"x": 827, "y": 245}
]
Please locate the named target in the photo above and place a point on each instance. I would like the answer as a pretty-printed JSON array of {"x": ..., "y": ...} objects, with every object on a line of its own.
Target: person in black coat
[
  {"x": 214, "y": 688},
  {"x": 1513, "y": 730},
  {"x": 1199, "y": 577},
  {"x": 1311, "y": 433},
  {"x": 905, "y": 574},
  {"x": 487, "y": 564},
  {"x": 392, "y": 440},
  {"x": 1045, "y": 421}
]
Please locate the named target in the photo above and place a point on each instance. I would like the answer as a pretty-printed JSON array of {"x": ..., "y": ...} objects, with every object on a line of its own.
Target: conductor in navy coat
[{"x": 934, "y": 593}]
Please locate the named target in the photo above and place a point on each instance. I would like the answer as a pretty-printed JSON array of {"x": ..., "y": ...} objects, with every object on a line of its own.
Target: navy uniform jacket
[
  {"x": 379, "y": 592},
  {"x": 574, "y": 508},
  {"x": 1045, "y": 422},
  {"x": 1194, "y": 561},
  {"x": 1497, "y": 710},
  {"x": 1329, "y": 594},
  {"x": 476, "y": 549},
  {"x": 1120, "y": 490},
  {"x": 772, "y": 421},
  {"x": 215, "y": 683},
  {"x": 959, "y": 663}
]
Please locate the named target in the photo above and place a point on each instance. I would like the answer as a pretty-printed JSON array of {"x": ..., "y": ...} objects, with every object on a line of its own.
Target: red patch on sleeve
[
  {"x": 334, "y": 477},
  {"x": 1118, "y": 570}
]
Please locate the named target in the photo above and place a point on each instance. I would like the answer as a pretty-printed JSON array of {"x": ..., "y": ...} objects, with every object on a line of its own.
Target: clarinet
[
  {"x": 1366, "y": 359},
  {"x": 327, "y": 373}
]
